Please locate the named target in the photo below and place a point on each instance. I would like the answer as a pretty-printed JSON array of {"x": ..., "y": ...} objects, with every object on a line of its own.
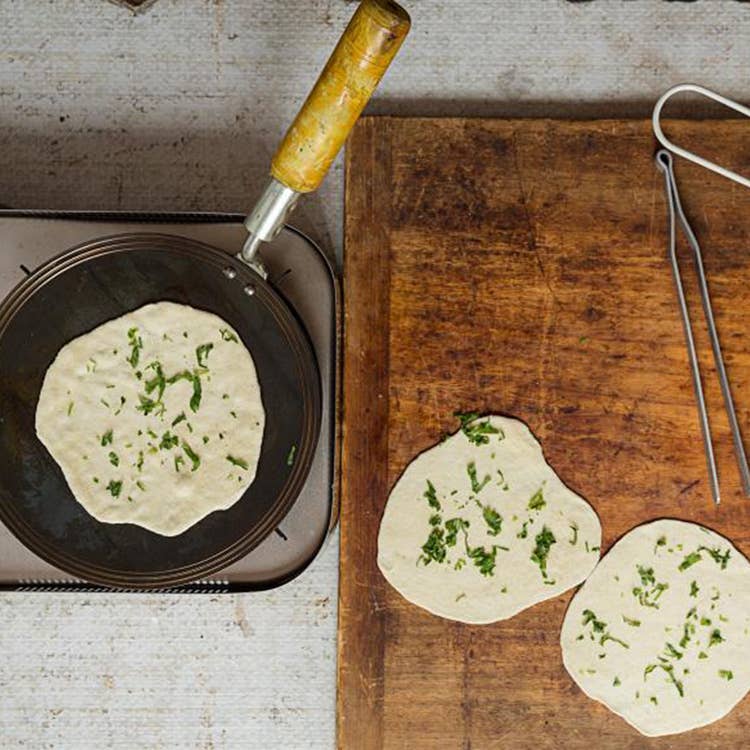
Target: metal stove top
[{"x": 302, "y": 274}]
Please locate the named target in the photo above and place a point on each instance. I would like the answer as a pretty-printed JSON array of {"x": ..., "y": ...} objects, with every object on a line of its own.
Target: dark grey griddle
[{"x": 301, "y": 273}]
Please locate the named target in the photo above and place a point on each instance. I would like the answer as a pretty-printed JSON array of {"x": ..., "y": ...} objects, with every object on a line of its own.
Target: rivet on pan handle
[{"x": 363, "y": 54}]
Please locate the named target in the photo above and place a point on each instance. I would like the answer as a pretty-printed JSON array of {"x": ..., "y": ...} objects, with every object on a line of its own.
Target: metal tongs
[{"x": 664, "y": 162}]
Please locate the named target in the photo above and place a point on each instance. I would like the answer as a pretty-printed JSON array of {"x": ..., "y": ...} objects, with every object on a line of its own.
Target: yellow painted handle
[{"x": 352, "y": 73}]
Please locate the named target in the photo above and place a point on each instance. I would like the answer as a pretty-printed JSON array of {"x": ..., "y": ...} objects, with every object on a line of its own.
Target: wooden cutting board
[{"x": 520, "y": 266}]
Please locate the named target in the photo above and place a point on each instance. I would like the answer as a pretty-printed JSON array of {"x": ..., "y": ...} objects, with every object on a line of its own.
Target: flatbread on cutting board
[
  {"x": 660, "y": 631},
  {"x": 155, "y": 418},
  {"x": 479, "y": 527}
]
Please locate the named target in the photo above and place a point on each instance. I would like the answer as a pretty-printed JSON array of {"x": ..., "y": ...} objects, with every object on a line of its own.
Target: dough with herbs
[
  {"x": 479, "y": 527},
  {"x": 155, "y": 418},
  {"x": 660, "y": 632}
]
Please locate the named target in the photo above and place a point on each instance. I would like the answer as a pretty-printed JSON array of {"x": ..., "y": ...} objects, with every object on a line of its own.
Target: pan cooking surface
[{"x": 79, "y": 291}]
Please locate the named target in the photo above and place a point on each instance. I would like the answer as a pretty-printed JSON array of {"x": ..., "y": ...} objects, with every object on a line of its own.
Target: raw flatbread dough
[
  {"x": 679, "y": 596},
  {"x": 480, "y": 527},
  {"x": 155, "y": 418}
]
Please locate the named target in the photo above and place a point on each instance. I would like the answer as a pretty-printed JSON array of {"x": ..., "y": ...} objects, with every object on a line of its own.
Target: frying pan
[{"x": 106, "y": 278}]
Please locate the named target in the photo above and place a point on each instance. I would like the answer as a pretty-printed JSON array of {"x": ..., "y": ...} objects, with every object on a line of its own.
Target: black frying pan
[
  {"x": 91, "y": 284},
  {"x": 80, "y": 290}
]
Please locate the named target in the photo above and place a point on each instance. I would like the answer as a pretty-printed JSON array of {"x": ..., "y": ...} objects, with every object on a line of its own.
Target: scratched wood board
[{"x": 520, "y": 267}]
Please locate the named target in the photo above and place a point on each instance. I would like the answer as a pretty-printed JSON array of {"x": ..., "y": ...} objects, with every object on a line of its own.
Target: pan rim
[{"x": 309, "y": 378}]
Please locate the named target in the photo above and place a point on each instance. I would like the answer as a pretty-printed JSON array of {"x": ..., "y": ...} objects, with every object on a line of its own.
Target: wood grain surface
[{"x": 520, "y": 267}]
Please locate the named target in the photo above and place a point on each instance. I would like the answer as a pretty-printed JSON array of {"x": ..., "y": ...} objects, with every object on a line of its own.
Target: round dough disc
[
  {"x": 660, "y": 631},
  {"x": 479, "y": 527},
  {"x": 155, "y": 418}
]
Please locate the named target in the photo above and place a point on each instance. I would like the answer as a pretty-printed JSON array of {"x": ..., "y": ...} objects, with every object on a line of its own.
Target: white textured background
[{"x": 180, "y": 108}]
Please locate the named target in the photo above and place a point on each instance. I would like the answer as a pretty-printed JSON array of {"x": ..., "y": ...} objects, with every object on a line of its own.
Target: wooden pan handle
[{"x": 352, "y": 73}]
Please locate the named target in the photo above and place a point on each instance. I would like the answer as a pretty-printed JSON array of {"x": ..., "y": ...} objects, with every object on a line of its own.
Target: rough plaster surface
[{"x": 180, "y": 108}]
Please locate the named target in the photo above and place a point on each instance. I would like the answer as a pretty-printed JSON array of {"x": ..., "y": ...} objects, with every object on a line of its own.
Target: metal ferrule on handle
[{"x": 351, "y": 75}]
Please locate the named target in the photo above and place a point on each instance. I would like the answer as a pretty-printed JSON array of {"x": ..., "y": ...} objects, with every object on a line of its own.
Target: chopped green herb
[
  {"x": 544, "y": 541},
  {"x": 140, "y": 486},
  {"x": 227, "y": 335},
  {"x": 91, "y": 365},
  {"x": 139, "y": 463},
  {"x": 205, "y": 439},
  {"x": 103, "y": 402},
  {"x": 178, "y": 461},
  {"x": 660, "y": 542},
  {"x": 115, "y": 488},
  {"x": 669, "y": 669},
  {"x": 715, "y": 638},
  {"x": 158, "y": 382},
  {"x": 430, "y": 495},
  {"x": 476, "y": 485},
  {"x": 689, "y": 560},
  {"x": 107, "y": 438},
  {"x": 574, "y": 538},
  {"x": 726, "y": 674},
  {"x": 524, "y": 532},
  {"x": 168, "y": 441},
  {"x": 537, "y": 501},
  {"x": 238, "y": 462},
  {"x": 114, "y": 459},
  {"x": 180, "y": 418},
  {"x": 493, "y": 520},
  {"x": 434, "y": 547},
  {"x": 290, "y": 456},
  {"x": 631, "y": 622},
  {"x": 123, "y": 401},
  {"x": 234, "y": 414},
  {"x": 616, "y": 682},
  {"x": 600, "y": 627},
  {"x": 459, "y": 563},
  {"x": 478, "y": 433},
  {"x": 694, "y": 589},
  {"x": 672, "y": 651},
  {"x": 705, "y": 621},
  {"x": 483, "y": 559},
  {"x": 195, "y": 400},
  {"x": 202, "y": 352},
  {"x": 149, "y": 406},
  {"x": 136, "y": 344},
  {"x": 460, "y": 596},
  {"x": 70, "y": 408},
  {"x": 192, "y": 455},
  {"x": 436, "y": 519},
  {"x": 703, "y": 655},
  {"x": 717, "y": 556},
  {"x": 453, "y": 526}
]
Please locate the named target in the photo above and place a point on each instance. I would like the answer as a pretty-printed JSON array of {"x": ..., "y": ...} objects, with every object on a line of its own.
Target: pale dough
[
  {"x": 660, "y": 632},
  {"x": 528, "y": 537},
  {"x": 155, "y": 418}
]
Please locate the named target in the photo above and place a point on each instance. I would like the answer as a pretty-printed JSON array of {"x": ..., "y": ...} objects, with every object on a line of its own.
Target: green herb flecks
[
  {"x": 290, "y": 456},
  {"x": 168, "y": 441},
  {"x": 649, "y": 592},
  {"x": 477, "y": 432},
  {"x": 140, "y": 486},
  {"x": 453, "y": 526},
  {"x": 107, "y": 438},
  {"x": 179, "y": 418},
  {"x": 694, "y": 589},
  {"x": 726, "y": 674},
  {"x": 70, "y": 408},
  {"x": 631, "y": 622},
  {"x": 524, "y": 532},
  {"x": 195, "y": 459},
  {"x": 690, "y": 560},
  {"x": 115, "y": 488},
  {"x": 114, "y": 459},
  {"x": 238, "y": 462},
  {"x": 599, "y": 628},
  {"x": 123, "y": 401},
  {"x": 430, "y": 494},
  {"x": 484, "y": 559},
  {"x": 715, "y": 638},
  {"x": 202, "y": 352},
  {"x": 537, "y": 501},
  {"x": 178, "y": 461},
  {"x": 195, "y": 399},
  {"x": 476, "y": 485},
  {"x": 717, "y": 556},
  {"x": 493, "y": 520},
  {"x": 669, "y": 669},
  {"x": 544, "y": 541},
  {"x": 434, "y": 548},
  {"x": 136, "y": 345},
  {"x": 574, "y": 537},
  {"x": 158, "y": 382},
  {"x": 616, "y": 682},
  {"x": 227, "y": 335}
]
